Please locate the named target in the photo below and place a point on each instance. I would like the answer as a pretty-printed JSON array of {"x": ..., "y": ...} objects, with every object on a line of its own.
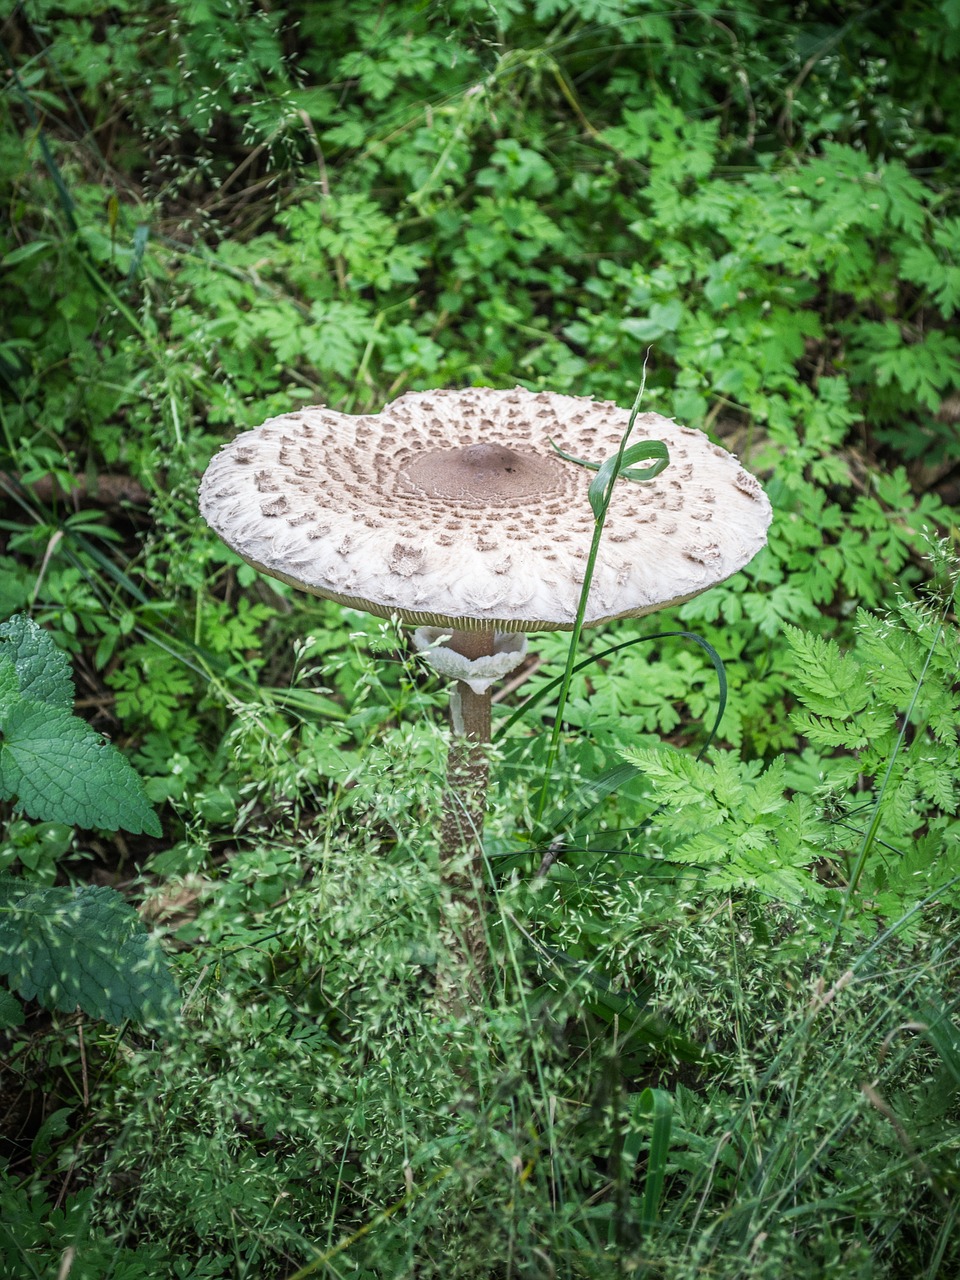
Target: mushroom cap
[{"x": 452, "y": 509}]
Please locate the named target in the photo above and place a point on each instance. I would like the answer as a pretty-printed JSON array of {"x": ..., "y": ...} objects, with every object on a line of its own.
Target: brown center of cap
[{"x": 480, "y": 475}]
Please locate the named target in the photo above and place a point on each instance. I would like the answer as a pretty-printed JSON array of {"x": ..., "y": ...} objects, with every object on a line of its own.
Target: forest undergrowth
[{"x": 721, "y": 1034}]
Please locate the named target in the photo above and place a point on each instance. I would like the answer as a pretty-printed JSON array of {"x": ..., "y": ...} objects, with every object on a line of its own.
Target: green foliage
[
  {"x": 67, "y": 948},
  {"x": 733, "y": 820},
  {"x": 57, "y": 767},
  {"x": 219, "y": 212},
  {"x": 82, "y": 947},
  {"x": 736, "y": 823}
]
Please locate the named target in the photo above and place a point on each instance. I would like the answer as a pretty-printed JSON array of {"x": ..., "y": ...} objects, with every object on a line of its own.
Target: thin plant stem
[{"x": 599, "y": 521}]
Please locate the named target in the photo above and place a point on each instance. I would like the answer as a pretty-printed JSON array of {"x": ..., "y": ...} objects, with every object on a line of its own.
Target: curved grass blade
[
  {"x": 655, "y": 1105},
  {"x": 620, "y": 465}
]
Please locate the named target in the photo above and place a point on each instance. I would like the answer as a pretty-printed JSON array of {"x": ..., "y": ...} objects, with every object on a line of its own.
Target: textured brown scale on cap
[
  {"x": 406, "y": 560},
  {"x": 748, "y": 484},
  {"x": 704, "y": 552},
  {"x": 452, "y": 508}
]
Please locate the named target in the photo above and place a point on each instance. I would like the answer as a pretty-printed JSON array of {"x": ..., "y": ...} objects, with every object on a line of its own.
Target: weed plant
[{"x": 722, "y": 1036}]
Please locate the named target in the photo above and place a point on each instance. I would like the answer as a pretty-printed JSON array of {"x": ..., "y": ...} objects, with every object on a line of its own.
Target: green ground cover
[{"x": 721, "y": 1038}]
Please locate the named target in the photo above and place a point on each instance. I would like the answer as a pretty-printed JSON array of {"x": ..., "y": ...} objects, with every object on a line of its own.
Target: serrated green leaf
[
  {"x": 43, "y": 672},
  {"x": 87, "y": 947},
  {"x": 678, "y": 780},
  {"x": 830, "y": 683},
  {"x": 728, "y": 781},
  {"x": 61, "y": 770},
  {"x": 824, "y": 731},
  {"x": 9, "y": 685},
  {"x": 766, "y": 795},
  {"x": 704, "y": 848},
  {"x": 11, "y": 1011},
  {"x": 55, "y": 1126}
]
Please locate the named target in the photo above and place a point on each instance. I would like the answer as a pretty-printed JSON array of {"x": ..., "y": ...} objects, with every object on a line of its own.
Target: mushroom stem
[{"x": 463, "y": 896}]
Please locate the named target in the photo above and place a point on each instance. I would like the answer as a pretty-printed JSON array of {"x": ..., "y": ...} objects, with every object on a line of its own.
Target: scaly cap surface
[{"x": 452, "y": 509}]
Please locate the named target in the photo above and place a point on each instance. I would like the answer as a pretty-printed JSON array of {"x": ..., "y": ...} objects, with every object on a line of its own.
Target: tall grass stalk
[{"x": 601, "y": 495}]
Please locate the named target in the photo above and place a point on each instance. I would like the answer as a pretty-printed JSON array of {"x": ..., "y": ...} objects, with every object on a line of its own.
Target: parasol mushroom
[{"x": 463, "y": 514}]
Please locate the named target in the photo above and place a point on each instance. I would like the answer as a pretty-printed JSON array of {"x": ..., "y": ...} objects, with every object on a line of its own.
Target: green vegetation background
[{"x": 723, "y": 1036}]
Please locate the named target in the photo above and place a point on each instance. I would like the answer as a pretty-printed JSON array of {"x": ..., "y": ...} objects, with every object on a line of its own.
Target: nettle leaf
[
  {"x": 11, "y": 1011},
  {"x": 42, "y": 671},
  {"x": 9, "y": 685},
  {"x": 86, "y": 946},
  {"x": 61, "y": 770}
]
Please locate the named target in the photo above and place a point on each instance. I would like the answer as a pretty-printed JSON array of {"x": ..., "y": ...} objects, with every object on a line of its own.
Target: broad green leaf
[
  {"x": 86, "y": 946},
  {"x": 26, "y": 251},
  {"x": 11, "y": 1011},
  {"x": 663, "y": 317},
  {"x": 9, "y": 686},
  {"x": 54, "y": 1127},
  {"x": 657, "y": 1106},
  {"x": 61, "y": 770},
  {"x": 43, "y": 671}
]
